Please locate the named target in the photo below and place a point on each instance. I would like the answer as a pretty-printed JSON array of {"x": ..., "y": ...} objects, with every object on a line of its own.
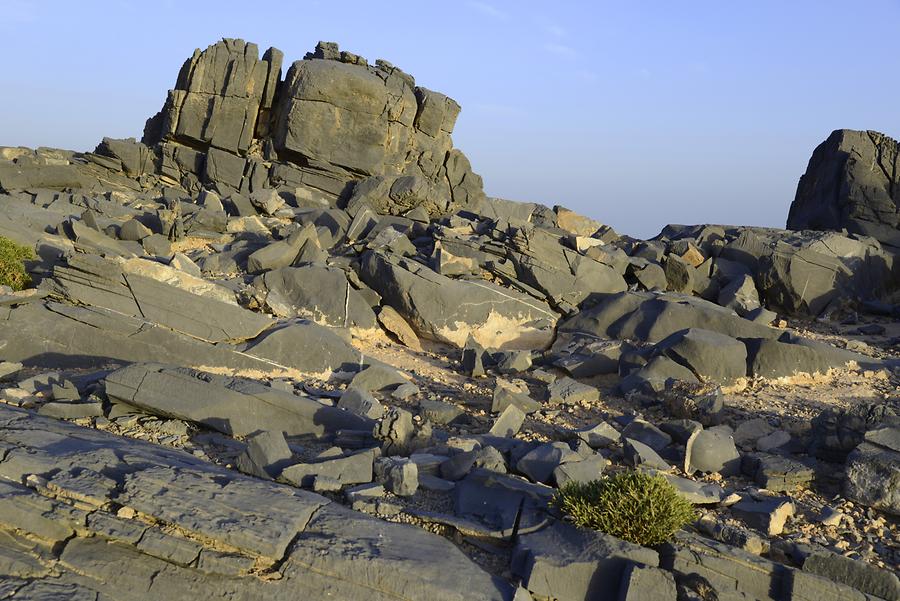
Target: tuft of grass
[
  {"x": 634, "y": 506},
  {"x": 12, "y": 264}
]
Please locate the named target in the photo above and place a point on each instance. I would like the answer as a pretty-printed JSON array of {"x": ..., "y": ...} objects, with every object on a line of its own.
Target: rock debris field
[{"x": 285, "y": 347}]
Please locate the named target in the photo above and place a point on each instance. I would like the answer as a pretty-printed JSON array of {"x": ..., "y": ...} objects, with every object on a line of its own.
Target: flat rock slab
[
  {"x": 57, "y": 335},
  {"x": 230, "y": 405},
  {"x": 98, "y": 282},
  {"x": 306, "y": 347},
  {"x": 221, "y": 529}
]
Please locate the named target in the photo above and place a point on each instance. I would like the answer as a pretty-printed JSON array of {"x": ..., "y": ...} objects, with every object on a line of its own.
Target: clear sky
[{"x": 636, "y": 113}]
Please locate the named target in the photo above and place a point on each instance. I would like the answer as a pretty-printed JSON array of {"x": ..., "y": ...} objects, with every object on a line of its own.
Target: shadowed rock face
[
  {"x": 232, "y": 123},
  {"x": 852, "y": 182}
]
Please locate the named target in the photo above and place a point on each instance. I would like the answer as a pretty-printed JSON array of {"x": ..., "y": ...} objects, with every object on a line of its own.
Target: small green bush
[
  {"x": 633, "y": 506},
  {"x": 12, "y": 266}
]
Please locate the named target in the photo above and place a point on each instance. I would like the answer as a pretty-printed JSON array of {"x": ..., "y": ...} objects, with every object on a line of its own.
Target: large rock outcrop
[
  {"x": 232, "y": 124},
  {"x": 852, "y": 182}
]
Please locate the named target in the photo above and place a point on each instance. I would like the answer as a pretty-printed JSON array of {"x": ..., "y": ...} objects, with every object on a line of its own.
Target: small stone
[
  {"x": 394, "y": 323},
  {"x": 509, "y": 422},
  {"x": 712, "y": 451},
  {"x": 599, "y": 436},
  {"x": 830, "y": 516},
  {"x": 768, "y": 515},
  {"x": 776, "y": 439},
  {"x": 507, "y": 393},
  {"x": 567, "y": 391},
  {"x": 645, "y": 432},
  {"x": 752, "y": 430},
  {"x": 439, "y": 412},
  {"x": 539, "y": 463},
  {"x": 405, "y": 392},
  {"x": 637, "y": 454},
  {"x": 361, "y": 402}
]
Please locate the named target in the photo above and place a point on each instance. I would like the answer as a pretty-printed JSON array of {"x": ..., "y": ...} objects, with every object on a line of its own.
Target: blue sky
[{"x": 636, "y": 113}]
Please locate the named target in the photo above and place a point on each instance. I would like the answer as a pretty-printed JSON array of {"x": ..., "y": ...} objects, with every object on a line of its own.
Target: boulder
[
  {"x": 447, "y": 310},
  {"x": 569, "y": 564},
  {"x": 709, "y": 355},
  {"x": 652, "y": 317},
  {"x": 320, "y": 294},
  {"x": 851, "y": 183},
  {"x": 712, "y": 450},
  {"x": 873, "y": 471}
]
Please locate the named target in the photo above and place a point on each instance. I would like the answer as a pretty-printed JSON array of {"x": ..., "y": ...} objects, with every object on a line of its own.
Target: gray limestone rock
[
  {"x": 712, "y": 450},
  {"x": 778, "y": 473},
  {"x": 230, "y": 405},
  {"x": 585, "y": 470},
  {"x": 539, "y": 463},
  {"x": 398, "y": 475},
  {"x": 652, "y": 317},
  {"x": 447, "y": 310},
  {"x": 637, "y": 454},
  {"x": 102, "y": 283},
  {"x": 851, "y": 182},
  {"x": 361, "y": 403},
  {"x": 566, "y": 391},
  {"x": 506, "y": 394},
  {"x": 859, "y": 575},
  {"x": 321, "y": 550},
  {"x": 767, "y": 515},
  {"x": 873, "y": 477},
  {"x": 569, "y": 564},
  {"x": 439, "y": 412},
  {"x": 509, "y": 422},
  {"x": 644, "y": 583},
  {"x": 741, "y": 295},
  {"x": 395, "y": 431},
  {"x": 599, "y": 436},
  {"x": 394, "y": 323},
  {"x": 355, "y": 468},
  {"x": 646, "y": 433},
  {"x": 320, "y": 294},
  {"x": 306, "y": 347},
  {"x": 266, "y": 454},
  {"x": 709, "y": 355}
]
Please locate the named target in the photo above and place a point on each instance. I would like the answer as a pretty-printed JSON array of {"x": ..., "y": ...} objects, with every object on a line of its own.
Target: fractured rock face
[
  {"x": 448, "y": 310},
  {"x": 333, "y": 121},
  {"x": 853, "y": 182},
  {"x": 218, "y": 97}
]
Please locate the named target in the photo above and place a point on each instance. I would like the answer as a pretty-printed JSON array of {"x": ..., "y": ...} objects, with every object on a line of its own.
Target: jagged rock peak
[
  {"x": 334, "y": 118},
  {"x": 852, "y": 182}
]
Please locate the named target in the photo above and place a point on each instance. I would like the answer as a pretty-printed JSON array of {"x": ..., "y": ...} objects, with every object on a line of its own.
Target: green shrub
[
  {"x": 12, "y": 266},
  {"x": 633, "y": 506}
]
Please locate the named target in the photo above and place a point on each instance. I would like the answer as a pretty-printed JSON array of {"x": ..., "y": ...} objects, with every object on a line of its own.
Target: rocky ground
[{"x": 286, "y": 346}]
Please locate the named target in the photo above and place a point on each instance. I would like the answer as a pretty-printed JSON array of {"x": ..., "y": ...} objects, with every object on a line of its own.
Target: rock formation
[
  {"x": 289, "y": 318},
  {"x": 334, "y": 127},
  {"x": 853, "y": 183}
]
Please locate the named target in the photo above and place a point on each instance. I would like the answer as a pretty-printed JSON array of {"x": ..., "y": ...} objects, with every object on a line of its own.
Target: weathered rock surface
[
  {"x": 215, "y": 288},
  {"x": 233, "y": 406},
  {"x": 225, "y": 530},
  {"x": 852, "y": 182},
  {"x": 440, "y": 308}
]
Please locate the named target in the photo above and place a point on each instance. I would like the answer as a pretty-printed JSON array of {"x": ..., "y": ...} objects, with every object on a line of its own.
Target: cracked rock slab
[
  {"x": 230, "y": 405},
  {"x": 200, "y": 531}
]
